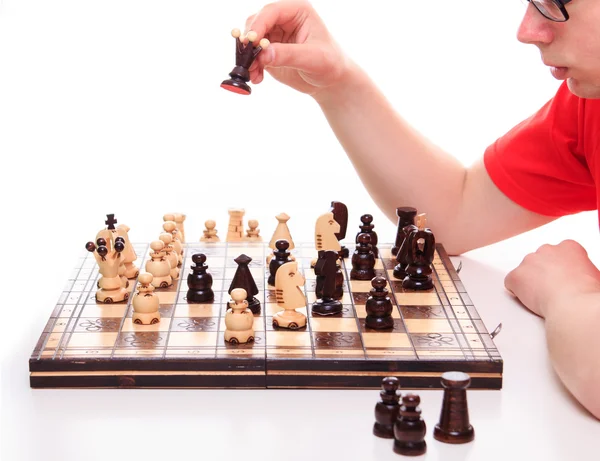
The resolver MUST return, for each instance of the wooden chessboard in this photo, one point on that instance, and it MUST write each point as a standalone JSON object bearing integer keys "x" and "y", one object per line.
{"x": 86, "y": 344}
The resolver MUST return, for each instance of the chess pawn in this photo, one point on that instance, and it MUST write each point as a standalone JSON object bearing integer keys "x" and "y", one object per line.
{"x": 199, "y": 281}
{"x": 129, "y": 256}
{"x": 171, "y": 228}
{"x": 170, "y": 254}
{"x": 145, "y": 302}
{"x": 288, "y": 281}
{"x": 363, "y": 259}
{"x": 159, "y": 266}
{"x": 110, "y": 289}
{"x": 402, "y": 258}
{"x": 210, "y": 234}
{"x": 410, "y": 429}
{"x": 454, "y": 426}
{"x": 367, "y": 228}
{"x": 379, "y": 306}
{"x": 252, "y": 234}
{"x": 179, "y": 219}
{"x": 239, "y": 321}
{"x": 386, "y": 410}
{"x": 421, "y": 248}
{"x": 281, "y": 256}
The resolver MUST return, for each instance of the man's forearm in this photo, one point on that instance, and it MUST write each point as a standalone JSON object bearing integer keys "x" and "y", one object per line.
{"x": 572, "y": 327}
{"x": 397, "y": 165}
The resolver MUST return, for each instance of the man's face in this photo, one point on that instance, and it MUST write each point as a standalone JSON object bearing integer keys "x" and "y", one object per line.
{"x": 571, "y": 49}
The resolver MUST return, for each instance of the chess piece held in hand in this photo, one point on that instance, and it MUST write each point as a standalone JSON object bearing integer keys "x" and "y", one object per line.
{"x": 145, "y": 302}
{"x": 239, "y": 321}
{"x": 110, "y": 286}
{"x": 245, "y": 54}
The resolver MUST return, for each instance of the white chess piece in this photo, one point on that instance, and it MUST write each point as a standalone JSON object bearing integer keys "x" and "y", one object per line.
{"x": 171, "y": 254}
{"x": 210, "y": 234}
{"x": 325, "y": 239}
{"x": 109, "y": 259}
{"x": 171, "y": 228}
{"x": 159, "y": 266}
{"x": 145, "y": 302}
{"x": 129, "y": 255}
{"x": 239, "y": 320}
{"x": 288, "y": 281}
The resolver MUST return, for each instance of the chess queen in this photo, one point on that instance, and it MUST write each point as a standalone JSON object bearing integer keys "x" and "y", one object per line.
{"x": 289, "y": 296}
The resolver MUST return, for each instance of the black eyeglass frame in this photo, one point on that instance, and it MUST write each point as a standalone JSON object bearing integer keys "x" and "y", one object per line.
{"x": 561, "y": 6}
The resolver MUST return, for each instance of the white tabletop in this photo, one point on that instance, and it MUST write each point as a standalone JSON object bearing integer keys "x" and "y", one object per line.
{"x": 532, "y": 417}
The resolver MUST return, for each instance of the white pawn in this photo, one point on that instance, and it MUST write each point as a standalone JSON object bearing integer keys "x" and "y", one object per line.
{"x": 288, "y": 281}
{"x": 145, "y": 302}
{"x": 239, "y": 320}
{"x": 210, "y": 234}
{"x": 171, "y": 254}
{"x": 171, "y": 228}
{"x": 252, "y": 234}
{"x": 159, "y": 266}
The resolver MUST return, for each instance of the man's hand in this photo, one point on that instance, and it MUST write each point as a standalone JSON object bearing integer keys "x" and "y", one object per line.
{"x": 553, "y": 274}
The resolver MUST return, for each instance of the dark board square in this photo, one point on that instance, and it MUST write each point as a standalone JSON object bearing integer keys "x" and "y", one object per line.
{"x": 423, "y": 312}
{"x": 336, "y": 340}
{"x": 434, "y": 340}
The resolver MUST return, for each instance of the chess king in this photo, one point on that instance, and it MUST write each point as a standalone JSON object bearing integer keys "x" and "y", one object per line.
{"x": 244, "y": 57}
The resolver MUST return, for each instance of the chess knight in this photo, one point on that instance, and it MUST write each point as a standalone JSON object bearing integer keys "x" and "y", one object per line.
{"x": 289, "y": 297}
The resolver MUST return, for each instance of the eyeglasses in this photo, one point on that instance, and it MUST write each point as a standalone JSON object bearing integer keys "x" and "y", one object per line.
{"x": 552, "y": 9}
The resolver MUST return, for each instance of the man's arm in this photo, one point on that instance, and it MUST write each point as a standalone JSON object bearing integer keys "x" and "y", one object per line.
{"x": 399, "y": 167}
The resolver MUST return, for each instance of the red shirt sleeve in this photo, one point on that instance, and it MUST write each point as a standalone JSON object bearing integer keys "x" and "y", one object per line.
{"x": 540, "y": 164}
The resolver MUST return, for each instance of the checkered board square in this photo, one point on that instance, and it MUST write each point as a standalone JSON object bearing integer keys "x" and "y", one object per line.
{"x": 87, "y": 344}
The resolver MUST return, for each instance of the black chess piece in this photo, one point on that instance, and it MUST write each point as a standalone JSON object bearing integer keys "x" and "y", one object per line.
{"x": 402, "y": 258}
{"x": 421, "y": 251}
{"x": 406, "y": 216}
{"x": 281, "y": 255}
{"x": 410, "y": 429}
{"x": 339, "y": 283}
{"x": 199, "y": 281}
{"x": 363, "y": 259}
{"x": 386, "y": 410}
{"x": 245, "y": 54}
{"x": 340, "y": 214}
{"x": 243, "y": 279}
{"x": 454, "y": 425}
{"x": 379, "y": 306}
{"x": 326, "y": 267}
{"x": 367, "y": 227}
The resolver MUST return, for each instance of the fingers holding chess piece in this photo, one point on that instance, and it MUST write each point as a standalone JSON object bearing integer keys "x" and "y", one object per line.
{"x": 145, "y": 302}
{"x": 239, "y": 321}
{"x": 245, "y": 54}
{"x": 110, "y": 286}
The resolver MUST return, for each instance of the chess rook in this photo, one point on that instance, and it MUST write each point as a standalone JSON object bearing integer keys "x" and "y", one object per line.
{"x": 199, "y": 281}
{"x": 454, "y": 426}
{"x": 386, "y": 410}
{"x": 406, "y": 216}
{"x": 409, "y": 428}
{"x": 245, "y": 54}
{"x": 235, "y": 231}
{"x": 363, "y": 259}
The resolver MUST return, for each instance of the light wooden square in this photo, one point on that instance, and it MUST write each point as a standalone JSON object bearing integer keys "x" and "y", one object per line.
{"x": 198, "y": 310}
{"x": 192, "y": 339}
{"x": 104, "y": 310}
{"x": 428, "y": 326}
{"x": 386, "y": 340}
{"x": 363, "y": 286}
{"x": 166, "y": 297}
{"x": 271, "y": 309}
{"x": 474, "y": 341}
{"x": 418, "y": 299}
{"x": 163, "y": 325}
{"x": 288, "y": 339}
{"x": 334, "y": 324}
{"x": 92, "y": 340}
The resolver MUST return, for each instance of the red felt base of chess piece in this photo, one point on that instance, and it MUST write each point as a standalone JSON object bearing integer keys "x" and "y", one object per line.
{"x": 236, "y": 87}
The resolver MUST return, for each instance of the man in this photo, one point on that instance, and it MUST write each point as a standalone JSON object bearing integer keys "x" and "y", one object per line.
{"x": 544, "y": 168}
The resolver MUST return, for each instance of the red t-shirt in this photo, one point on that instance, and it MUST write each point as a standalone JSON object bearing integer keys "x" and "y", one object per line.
{"x": 549, "y": 163}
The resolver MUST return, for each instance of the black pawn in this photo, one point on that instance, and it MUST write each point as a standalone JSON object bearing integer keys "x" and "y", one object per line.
{"x": 406, "y": 216}
{"x": 367, "y": 228}
{"x": 402, "y": 258}
{"x": 386, "y": 410}
{"x": 410, "y": 429}
{"x": 339, "y": 284}
{"x": 421, "y": 253}
{"x": 363, "y": 259}
{"x": 379, "y": 306}
{"x": 454, "y": 426}
{"x": 243, "y": 279}
{"x": 199, "y": 281}
{"x": 327, "y": 268}
{"x": 281, "y": 255}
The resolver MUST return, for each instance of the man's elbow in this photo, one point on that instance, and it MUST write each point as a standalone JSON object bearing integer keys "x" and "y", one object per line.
{"x": 590, "y": 393}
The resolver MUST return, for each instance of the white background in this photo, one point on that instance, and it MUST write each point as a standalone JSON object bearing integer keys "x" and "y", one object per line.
{"x": 115, "y": 107}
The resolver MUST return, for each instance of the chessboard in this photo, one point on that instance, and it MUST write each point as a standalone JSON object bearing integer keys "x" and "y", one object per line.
{"x": 88, "y": 344}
